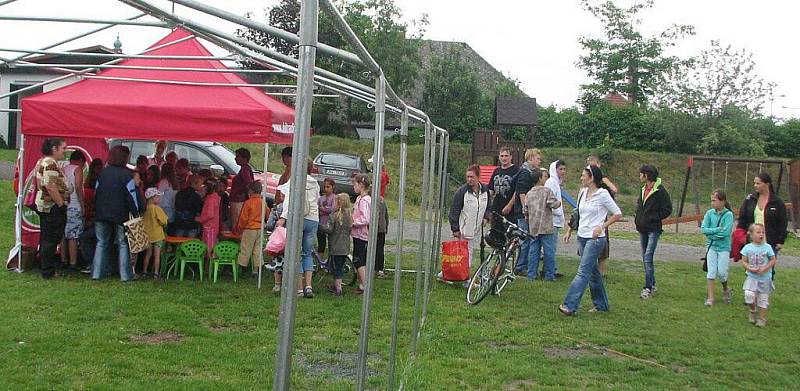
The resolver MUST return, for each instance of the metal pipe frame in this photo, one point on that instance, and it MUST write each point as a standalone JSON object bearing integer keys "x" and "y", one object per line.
{"x": 212, "y": 70}
{"x": 429, "y": 234}
{"x": 20, "y": 194}
{"x": 79, "y": 36}
{"x": 372, "y": 243}
{"x": 86, "y": 70}
{"x": 309, "y": 19}
{"x": 2, "y": 3}
{"x": 190, "y": 83}
{"x": 436, "y": 163}
{"x": 117, "y": 55}
{"x": 423, "y": 215}
{"x": 284, "y": 35}
{"x": 85, "y": 20}
{"x": 263, "y": 215}
{"x": 399, "y": 253}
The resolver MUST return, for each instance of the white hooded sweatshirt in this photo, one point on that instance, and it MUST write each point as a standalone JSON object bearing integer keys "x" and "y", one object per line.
{"x": 554, "y": 184}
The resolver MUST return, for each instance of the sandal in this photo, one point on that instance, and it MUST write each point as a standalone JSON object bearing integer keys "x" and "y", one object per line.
{"x": 564, "y": 310}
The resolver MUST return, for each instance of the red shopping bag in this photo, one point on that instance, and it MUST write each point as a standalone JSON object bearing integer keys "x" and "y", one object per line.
{"x": 739, "y": 239}
{"x": 455, "y": 260}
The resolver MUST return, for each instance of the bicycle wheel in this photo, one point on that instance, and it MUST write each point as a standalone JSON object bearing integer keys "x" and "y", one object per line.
{"x": 508, "y": 270}
{"x": 348, "y": 267}
{"x": 485, "y": 278}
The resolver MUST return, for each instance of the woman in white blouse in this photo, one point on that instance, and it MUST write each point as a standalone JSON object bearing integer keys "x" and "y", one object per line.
{"x": 594, "y": 206}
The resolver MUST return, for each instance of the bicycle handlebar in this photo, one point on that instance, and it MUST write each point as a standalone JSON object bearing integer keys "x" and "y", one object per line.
{"x": 512, "y": 225}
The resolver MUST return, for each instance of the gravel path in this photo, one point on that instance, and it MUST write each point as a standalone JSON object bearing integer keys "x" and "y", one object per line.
{"x": 627, "y": 250}
{"x": 7, "y": 170}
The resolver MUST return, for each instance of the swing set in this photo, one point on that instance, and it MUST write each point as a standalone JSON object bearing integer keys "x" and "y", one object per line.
{"x": 733, "y": 175}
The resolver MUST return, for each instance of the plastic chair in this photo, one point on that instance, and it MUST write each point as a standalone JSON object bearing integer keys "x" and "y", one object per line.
{"x": 193, "y": 251}
{"x": 225, "y": 254}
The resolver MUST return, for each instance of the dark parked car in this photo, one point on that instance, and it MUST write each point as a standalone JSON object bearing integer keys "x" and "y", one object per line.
{"x": 341, "y": 168}
{"x": 201, "y": 155}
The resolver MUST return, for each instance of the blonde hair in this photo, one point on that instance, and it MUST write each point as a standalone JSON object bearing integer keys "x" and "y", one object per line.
{"x": 753, "y": 227}
{"x": 343, "y": 206}
{"x": 529, "y": 153}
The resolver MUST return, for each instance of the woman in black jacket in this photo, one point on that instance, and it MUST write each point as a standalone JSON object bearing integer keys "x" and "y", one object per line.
{"x": 117, "y": 198}
{"x": 765, "y": 207}
{"x": 652, "y": 206}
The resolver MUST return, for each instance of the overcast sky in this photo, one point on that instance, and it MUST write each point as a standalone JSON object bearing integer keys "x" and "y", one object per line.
{"x": 534, "y": 41}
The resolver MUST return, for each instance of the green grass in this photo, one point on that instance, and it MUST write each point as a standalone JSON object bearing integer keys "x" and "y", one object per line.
{"x": 73, "y": 333}
{"x": 8, "y": 155}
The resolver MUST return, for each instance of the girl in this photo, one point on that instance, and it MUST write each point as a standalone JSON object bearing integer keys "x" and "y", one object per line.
{"x": 594, "y": 206}
{"x": 717, "y": 226}
{"x": 360, "y": 228}
{"x": 168, "y": 186}
{"x": 209, "y": 216}
{"x": 338, "y": 231}
{"x": 758, "y": 259}
{"x": 154, "y": 222}
{"x": 152, "y": 176}
{"x": 326, "y": 206}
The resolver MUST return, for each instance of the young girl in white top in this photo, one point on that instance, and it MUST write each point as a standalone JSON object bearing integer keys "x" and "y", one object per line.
{"x": 758, "y": 259}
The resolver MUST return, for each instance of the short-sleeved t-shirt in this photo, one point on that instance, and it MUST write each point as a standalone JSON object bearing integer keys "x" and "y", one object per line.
{"x": 758, "y": 255}
{"x": 502, "y": 183}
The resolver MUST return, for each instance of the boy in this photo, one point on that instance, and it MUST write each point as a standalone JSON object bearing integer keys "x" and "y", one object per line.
{"x": 154, "y": 220}
{"x": 249, "y": 226}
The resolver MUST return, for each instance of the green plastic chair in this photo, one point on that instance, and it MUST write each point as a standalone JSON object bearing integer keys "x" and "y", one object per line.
{"x": 225, "y": 254}
{"x": 193, "y": 251}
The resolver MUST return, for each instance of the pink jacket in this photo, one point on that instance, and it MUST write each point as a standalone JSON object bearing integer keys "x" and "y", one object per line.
{"x": 361, "y": 212}
{"x": 209, "y": 217}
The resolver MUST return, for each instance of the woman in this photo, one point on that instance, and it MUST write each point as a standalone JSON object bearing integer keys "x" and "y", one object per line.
{"x": 168, "y": 186}
{"x": 765, "y": 207}
{"x": 310, "y": 212}
{"x": 95, "y": 168}
{"x": 51, "y": 203}
{"x": 240, "y": 184}
{"x": 75, "y": 206}
{"x": 652, "y": 206}
{"x": 120, "y": 199}
{"x": 468, "y": 210}
{"x": 612, "y": 188}
{"x": 151, "y": 177}
{"x": 594, "y": 205}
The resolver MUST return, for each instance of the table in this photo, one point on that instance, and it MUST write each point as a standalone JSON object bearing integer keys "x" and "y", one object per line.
{"x": 230, "y": 235}
{"x": 169, "y": 258}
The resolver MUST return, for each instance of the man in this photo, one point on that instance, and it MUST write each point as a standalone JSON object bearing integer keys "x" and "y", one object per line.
{"x": 523, "y": 184}
{"x": 469, "y": 209}
{"x": 286, "y": 158}
{"x": 240, "y": 184}
{"x": 558, "y": 171}
{"x": 501, "y": 185}
{"x": 51, "y": 203}
{"x": 157, "y": 158}
{"x": 652, "y": 206}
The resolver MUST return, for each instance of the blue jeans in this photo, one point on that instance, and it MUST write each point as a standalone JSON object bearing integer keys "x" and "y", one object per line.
{"x": 110, "y": 235}
{"x": 548, "y": 243}
{"x": 522, "y": 258}
{"x": 309, "y": 234}
{"x": 588, "y": 274}
{"x": 649, "y": 241}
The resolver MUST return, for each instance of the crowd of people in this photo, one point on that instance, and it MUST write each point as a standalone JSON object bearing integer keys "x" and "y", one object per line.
{"x": 531, "y": 196}
{"x": 84, "y": 216}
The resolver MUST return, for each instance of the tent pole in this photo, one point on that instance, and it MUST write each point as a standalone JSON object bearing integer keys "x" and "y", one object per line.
{"x": 180, "y": 69}
{"x": 84, "y": 20}
{"x": 309, "y": 19}
{"x": 423, "y": 213}
{"x": 2, "y": 3}
{"x": 117, "y": 55}
{"x": 431, "y": 221}
{"x": 399, "y": 253}
{"x": 18, "y": 218}
{"x": 191, "y": 83}
{"x": 372, "y": 243}
{"x": 263, "y": 212}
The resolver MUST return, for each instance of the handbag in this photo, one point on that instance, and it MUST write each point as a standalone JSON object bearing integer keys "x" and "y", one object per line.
{"x": 455, "y": 260}
{"x": 33, "y": 192}
{"x": 277, "y": 241}
{"x": 705, "y": 258}
{"x": 138, "y": 240}
{"x": 575, "y": 217}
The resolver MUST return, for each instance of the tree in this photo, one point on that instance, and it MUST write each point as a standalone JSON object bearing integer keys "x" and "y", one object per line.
{"x": 452, "y": 97}
{"x": 625, "y": 60}
{"x": 720, "y": 77}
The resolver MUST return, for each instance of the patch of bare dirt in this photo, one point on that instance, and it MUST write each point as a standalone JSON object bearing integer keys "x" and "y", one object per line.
{"x": 157, "y": 338}
{"x": 519, "y": 385}
{"x": 571, "y": 353}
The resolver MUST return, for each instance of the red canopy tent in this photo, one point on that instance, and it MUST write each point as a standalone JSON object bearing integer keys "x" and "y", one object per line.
{"x": 133, "y": 109}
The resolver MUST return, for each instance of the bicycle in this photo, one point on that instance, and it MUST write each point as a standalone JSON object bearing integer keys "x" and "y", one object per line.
{"x": 497, "y": 270}
{"x": 325, "y": 266}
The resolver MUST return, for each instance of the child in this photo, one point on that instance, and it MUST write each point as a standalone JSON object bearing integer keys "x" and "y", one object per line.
{"x": 154, "y": 220}
{"x": 277, "y": 263}
{"x": 326, "y": 203}
{"x": 338, "y": 231}
{"x": 360, "y": 227}
{"x": 539, "y": 204}
{"x": 249, "y": 226}
{"x": 189, "y": 205}
{"x": 758, "y": 258}
{"x": 209, "y": 217}
{"x": 182, "y": 173}
{"x": 383, "y": 227}
{"x": 717, "y": 226}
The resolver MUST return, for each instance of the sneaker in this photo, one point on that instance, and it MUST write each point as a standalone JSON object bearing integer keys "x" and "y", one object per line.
{"x": 381, "y": 274}
{"x": 709, "y": 303}
{"x": 726, "y": 296}
{"x": 86, "y": 270}
{"x": 646, "y": 294}
{"x": 751, "y": 316}
{"x": 300, "y": 292}
{"x": 761, "y": 322}
{"x": 440, "y": 276}
{"x": 276, "y": 288}
{"x": 308, "y": 292}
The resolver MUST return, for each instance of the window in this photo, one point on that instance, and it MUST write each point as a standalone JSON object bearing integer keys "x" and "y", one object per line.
{"x": 145, "y": 148}
{"x": 339, "y": 160}
{"x": 198, "y": 159}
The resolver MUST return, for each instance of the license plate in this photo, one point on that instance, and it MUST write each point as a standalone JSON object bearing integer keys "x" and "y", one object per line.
{"x": 335, "y": 172}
